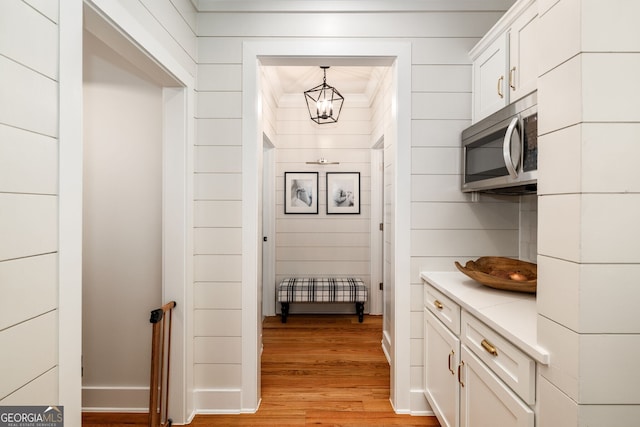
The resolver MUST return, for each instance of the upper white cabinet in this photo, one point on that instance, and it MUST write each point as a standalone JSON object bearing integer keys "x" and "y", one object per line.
{"x": 523, "y": 54}
{"x": 489, "y": 84}
{"x": 505, "y": 65}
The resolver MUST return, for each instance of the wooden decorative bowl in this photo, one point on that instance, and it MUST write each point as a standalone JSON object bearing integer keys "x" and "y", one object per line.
{"x": 503, "y": 273}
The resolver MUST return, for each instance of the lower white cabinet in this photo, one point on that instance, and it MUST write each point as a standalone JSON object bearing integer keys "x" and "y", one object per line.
{"x": 473, "y": 377}
{"x": 485, "y": 401}
{"x": 442, "y": 358}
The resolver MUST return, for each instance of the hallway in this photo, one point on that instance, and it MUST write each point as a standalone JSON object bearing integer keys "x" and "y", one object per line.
{"x": 321, "y": 370}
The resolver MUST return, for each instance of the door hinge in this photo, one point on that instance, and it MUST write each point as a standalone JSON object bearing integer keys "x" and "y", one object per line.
{"x": 381, "y": 226}
{"x": 380, "y": 286}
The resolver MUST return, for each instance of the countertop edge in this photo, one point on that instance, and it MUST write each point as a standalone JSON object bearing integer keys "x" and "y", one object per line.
{"x": 436, "y": 278}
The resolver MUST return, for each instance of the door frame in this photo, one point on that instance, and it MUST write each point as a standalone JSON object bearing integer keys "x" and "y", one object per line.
{"x": 252, "y": 131}
{"x": 376, "y": 304}
{"x": 119, "y": 27}
{"x": 268, "y": 228}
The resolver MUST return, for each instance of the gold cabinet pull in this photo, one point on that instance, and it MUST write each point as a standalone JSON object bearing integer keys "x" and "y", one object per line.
{"x": 451, "y": 355}
{"x": 489, "y": 347}
{"x": 500, "y": 81}
{"x": 438, "y": 305}
{"x": 512, "y": 78}
{"x": 459, "y": 375}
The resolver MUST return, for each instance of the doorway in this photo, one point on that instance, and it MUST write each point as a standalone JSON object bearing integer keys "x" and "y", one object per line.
{"x": 399, "y": 184}
{"x": 145, "y": 149}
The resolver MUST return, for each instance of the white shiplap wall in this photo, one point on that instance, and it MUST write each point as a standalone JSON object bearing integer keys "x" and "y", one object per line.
{"x": 446, "y": 226}
{"x": 28, "y": 202}
{"x": 589, "y": 256}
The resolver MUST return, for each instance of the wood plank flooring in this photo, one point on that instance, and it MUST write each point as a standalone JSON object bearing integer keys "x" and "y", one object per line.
{"x": 321, "y": 370}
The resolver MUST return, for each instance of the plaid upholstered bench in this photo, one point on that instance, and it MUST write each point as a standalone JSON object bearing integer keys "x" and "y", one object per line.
{"x": 321, "y": 289}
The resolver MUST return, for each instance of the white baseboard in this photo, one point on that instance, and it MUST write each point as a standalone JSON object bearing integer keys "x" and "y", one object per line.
{"x": 386, "y": 346}
{"x": 218, "y": 401}
{"x": 115, "y": 399}
{"x": 419, "y": 404}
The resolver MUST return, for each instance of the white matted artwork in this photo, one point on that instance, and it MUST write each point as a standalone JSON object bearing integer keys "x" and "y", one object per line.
{"x": 343, "y": 192}
{"x": 301, "y": 192}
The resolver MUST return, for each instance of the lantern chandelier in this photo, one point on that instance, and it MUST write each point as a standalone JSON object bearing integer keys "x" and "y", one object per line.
{"x": 324, "y": 102}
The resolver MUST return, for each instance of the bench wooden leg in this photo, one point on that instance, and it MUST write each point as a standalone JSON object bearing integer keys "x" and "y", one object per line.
{"x": 284, "y": 311}
{"x": 360, "y": 311}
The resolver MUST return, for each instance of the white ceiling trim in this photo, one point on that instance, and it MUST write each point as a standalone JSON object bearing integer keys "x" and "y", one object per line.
{"x": 349, "y": 5}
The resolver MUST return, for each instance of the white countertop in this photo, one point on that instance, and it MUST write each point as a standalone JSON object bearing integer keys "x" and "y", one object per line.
{"x": 511, "y": 314}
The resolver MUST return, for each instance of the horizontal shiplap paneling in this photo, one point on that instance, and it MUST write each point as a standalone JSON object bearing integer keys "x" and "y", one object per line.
{"x": 327, "y": 253}
{"x": 437, "y": 133}
{"x": 48, "y": 8}
{"x": 218, "y": 323}
{"x": 217, "y": 350}
{"x": 214, "y": 158}
{"x": 322, "y": 268}
{"x": 441, "y": 78}
{"x": 29, "y": 99}
{"x": 436, "y": 105}
{"x": 326, "y": 238}
{"x": 31, "y": 285}
{"x": 219, "y": 105}
{"x": 42, "y": 389}
{"x": 219, "y": 77}
{"x": 217, "y": 295}
{"x": 34, "y": 351}
{"x": 218, "y": 376}
{"x": 218, "y": 186}
{"x": 217, "y": 268}
{"x": 28, "y": 225}
{"x": 29, "y": 38}
{"x": 448, "y": 216}
{"x": 440, "y": 243}
{"x": 218, "y": 241}
{"x": 178, "y": 23}
{"x": 218, "y": 213}
{"x": 28, "y": 162}
{"x": 218, "y": 131}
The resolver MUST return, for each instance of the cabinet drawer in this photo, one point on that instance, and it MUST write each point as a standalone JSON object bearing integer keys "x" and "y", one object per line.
{"x": 443, "y": 308}
{"x": 507, "y": 361}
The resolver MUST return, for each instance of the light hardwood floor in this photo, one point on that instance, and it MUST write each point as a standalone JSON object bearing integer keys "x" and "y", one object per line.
{"x": 321, "y": 370}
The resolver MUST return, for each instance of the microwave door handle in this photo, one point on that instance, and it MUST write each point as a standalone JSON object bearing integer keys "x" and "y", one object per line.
{"x": 512, "y": 131}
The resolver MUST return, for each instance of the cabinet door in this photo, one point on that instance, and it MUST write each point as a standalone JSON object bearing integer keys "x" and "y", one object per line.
{"x": 489, "y": 81}
{"x": 485, "y": 401}
{"x": 442, "y": 353}
{"x": 523, "y": 54}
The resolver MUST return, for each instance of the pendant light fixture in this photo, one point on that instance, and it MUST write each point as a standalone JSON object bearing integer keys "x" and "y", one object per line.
{"x": 324, "y": 102}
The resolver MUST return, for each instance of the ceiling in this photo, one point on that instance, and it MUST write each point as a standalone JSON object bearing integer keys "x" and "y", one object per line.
{"x": 355, "y": 78}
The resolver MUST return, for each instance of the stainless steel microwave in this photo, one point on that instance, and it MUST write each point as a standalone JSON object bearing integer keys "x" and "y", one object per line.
{"x": 500, "y": 152}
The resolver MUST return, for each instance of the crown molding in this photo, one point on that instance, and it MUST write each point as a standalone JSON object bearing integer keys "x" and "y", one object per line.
{"x": 329, "y": 6}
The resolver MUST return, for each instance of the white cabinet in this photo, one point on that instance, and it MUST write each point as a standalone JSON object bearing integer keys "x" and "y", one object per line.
{"x": 523, "y": 54}
{"x": 486, "y": 401}
{"x": 505, "y": 65}
{"x": 489, "y": 84}
{"x": 473, "y": 377}
{"x": 442, "y": 358}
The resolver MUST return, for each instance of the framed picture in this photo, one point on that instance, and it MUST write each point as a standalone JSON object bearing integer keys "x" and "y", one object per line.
{"x": 343, "y": 192}
{"x": 301, "y": 192}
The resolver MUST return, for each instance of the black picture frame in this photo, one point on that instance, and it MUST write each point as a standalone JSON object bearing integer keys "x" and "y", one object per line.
{"x": 301, "y": 192}
{"x": 343, "y": 193}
